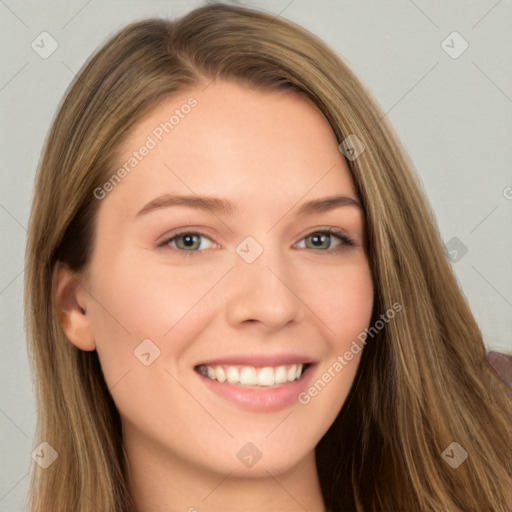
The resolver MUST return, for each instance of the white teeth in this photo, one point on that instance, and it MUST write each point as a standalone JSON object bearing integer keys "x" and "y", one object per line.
{"x": 250, "y": 376}
{"x": 221, "y": 376}
{"x": 266, "y": 376}
{"x": 292, "y": 373}
{"x": 281, "y": 375}
{"x": 233, "y": 375}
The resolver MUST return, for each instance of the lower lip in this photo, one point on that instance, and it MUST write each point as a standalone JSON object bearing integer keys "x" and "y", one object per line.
{"x": 261, "y": 400}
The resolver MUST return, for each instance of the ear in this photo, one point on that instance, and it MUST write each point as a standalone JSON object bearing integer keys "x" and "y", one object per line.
{"x": 71, "y": 306}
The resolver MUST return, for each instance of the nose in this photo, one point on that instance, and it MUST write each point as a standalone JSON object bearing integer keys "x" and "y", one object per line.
{"x": 264, "y": 292}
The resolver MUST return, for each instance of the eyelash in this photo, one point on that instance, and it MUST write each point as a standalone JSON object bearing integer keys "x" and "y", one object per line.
{"x": 341, "y": 236}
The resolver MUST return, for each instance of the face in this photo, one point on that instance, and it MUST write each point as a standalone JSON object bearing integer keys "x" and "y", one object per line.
{"x": 184, "y": 293}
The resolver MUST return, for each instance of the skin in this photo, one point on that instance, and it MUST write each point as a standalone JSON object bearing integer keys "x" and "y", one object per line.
{"x": 268, "y": 152}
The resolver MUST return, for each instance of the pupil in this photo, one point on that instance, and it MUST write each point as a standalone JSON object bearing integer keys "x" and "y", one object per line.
{"x": 317, "y": 239}
{"x": 188, "y": 240}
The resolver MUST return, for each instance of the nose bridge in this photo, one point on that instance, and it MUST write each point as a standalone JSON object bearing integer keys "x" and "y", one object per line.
{"x": 262, "y": 287}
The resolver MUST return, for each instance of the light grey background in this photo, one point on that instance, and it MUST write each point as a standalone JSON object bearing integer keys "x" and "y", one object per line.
{"x": 452, "y": 115}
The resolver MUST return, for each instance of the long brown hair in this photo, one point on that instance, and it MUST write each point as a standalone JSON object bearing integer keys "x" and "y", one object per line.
{"x": 422, "y": 381}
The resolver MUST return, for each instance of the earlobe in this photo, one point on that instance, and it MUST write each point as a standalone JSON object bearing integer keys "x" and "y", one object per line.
{"x": 70, "y": 305}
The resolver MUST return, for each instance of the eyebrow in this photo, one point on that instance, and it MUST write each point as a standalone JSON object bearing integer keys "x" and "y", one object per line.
{"x": 217, "y": 205}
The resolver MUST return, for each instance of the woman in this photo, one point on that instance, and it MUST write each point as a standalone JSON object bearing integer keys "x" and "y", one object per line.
{"x": 263, "y": 371}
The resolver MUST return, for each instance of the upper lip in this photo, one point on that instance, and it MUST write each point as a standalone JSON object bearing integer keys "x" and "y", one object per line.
{"x": 258, "y": 360}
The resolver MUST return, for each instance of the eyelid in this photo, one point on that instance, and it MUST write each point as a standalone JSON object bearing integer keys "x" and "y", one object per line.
{"x": 339, "y": 233}
{"x": 344, "y": 239}
{"x": 170, "y": 237}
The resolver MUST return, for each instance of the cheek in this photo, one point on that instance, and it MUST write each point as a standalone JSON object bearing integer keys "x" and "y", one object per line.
{"x": 344, "y": 307}
{"x": 343, "y": 300}
{"x": 135, "y": 302}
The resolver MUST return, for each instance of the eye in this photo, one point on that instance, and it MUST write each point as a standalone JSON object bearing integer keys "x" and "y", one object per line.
{"x": 320, "y": 238}
{"x": 190, "y": 242}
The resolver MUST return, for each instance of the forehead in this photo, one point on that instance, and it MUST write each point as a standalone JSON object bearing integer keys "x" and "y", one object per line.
{"x": 230, "y": 139}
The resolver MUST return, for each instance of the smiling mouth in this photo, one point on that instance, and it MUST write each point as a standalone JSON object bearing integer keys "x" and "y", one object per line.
{"x": 254, "y": 377}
